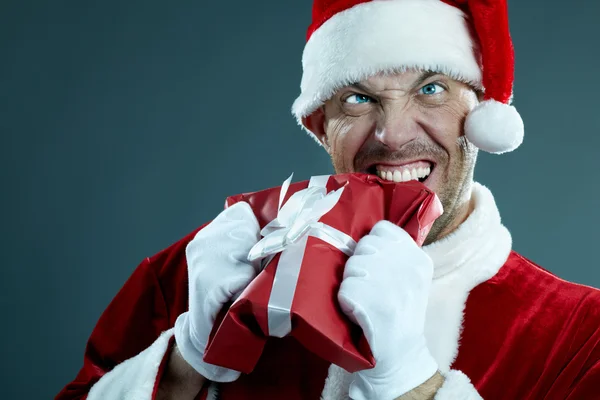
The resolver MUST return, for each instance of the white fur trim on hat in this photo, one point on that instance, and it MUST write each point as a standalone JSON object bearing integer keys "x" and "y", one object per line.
{"x": 494, "y": 127}
{"x": 385, "y": 36}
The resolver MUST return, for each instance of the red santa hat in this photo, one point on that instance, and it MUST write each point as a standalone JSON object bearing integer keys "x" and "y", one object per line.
{"x": 468, "y": 40}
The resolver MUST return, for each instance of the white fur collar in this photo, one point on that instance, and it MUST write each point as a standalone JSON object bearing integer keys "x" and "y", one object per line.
{"x": 470, "y": 255}
{"x": 481, "y": 237}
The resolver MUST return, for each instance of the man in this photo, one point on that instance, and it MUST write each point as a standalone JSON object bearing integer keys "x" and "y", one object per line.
{"x": 407, "y": 90}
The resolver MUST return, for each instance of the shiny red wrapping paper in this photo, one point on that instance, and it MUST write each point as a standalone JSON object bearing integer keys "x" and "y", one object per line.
{"x": 318, "y": 324}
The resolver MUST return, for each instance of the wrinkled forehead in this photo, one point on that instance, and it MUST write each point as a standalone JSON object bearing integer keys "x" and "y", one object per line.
{"x": 403, "y": 79}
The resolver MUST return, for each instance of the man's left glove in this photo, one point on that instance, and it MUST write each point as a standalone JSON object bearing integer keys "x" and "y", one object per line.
{"x": 385, "y": 291}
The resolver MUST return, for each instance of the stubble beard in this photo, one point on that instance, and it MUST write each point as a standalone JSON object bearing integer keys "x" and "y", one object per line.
{"x": 454, "y": 193}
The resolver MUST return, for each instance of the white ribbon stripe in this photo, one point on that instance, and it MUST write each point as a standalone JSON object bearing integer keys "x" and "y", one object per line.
{"x": 288, "y": 234}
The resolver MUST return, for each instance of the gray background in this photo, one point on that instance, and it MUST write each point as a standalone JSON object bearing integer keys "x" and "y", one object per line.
{"x": 126, "y": 124}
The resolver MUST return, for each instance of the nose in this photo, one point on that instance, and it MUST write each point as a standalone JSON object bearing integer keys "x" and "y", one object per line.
{"x": 397, "y": 126}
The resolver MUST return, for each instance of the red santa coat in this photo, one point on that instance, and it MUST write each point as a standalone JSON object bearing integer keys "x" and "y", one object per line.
{"x": 514, "y": 329}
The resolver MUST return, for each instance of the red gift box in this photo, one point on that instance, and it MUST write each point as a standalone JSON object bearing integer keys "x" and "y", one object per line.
{"x": 305, "y": 254}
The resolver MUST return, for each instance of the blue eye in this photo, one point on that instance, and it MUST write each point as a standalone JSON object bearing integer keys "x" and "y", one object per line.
{"x": 357, "y": 99}
{"x": 431, "y": 88}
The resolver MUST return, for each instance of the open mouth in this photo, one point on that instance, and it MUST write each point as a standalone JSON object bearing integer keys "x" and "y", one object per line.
{"x": 414, "y": 171}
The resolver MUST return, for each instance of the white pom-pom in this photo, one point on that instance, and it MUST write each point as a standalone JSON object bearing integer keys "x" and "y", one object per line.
{"x": 494, "y": 127}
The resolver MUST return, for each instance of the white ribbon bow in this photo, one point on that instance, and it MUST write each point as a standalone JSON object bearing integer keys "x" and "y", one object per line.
{"x": 288, "y": 234}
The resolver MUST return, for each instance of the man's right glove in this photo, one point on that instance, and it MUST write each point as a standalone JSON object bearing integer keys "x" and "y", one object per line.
{"x": 218, "y": 270}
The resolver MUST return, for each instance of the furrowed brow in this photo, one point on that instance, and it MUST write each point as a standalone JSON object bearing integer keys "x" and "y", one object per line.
{"x": 360, "y": 86}
{"x": 423, "y": 77}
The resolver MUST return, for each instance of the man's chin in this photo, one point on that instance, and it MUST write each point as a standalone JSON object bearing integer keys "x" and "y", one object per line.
{"x": 457, "y": 208}
{"x": 442, "y": 227}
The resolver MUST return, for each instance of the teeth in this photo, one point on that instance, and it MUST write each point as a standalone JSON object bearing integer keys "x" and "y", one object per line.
{"x": 405, "y": 175}
{"x": 413, "y": 175}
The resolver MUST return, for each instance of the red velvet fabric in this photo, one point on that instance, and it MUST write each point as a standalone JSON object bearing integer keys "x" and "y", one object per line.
{"x": 531, "y": 335}
{"x": 527, "y": 335}
{"x": 323, "y": 10}
{"x": 147, "y": 304}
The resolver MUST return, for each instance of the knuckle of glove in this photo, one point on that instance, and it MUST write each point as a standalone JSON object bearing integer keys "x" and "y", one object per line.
{"x": 220, "y": 274}
{"x": 363, "y": 306}
{"x": 358, "y": 266}
{"x": 349, "y": 288}
{"x": 237, "y": 223}
{"x": 243, "y": 237}
{"x": 369, "y": 245}
{"x": 389, "y": 266}
{"x": 387, "y": 237}
{"x": 348, "y": 296}
{"x": 211, "y": 293}
{"x": 389, "y": 231}
{"x": 239, "y": 212}
{"x": 209, "y": 275}
{"x": 225, "y": 244}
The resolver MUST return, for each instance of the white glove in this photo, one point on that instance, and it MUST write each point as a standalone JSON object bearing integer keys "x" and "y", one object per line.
{"x": 218, "y": 270}
{"x": 385, "y": 291}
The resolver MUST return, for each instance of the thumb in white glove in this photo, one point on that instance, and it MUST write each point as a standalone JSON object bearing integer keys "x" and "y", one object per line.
{"x": 385, "y": 291}
{"x": 218, "y": 270}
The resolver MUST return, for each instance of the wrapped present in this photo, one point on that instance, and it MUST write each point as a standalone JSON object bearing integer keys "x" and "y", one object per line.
{"x": 309, "y": 230}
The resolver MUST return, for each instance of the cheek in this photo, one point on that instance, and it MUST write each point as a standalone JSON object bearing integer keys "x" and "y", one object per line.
{"x": 346, "y": 137}
{"x": 447, "y": 121}
{"x": 445, "y": 124}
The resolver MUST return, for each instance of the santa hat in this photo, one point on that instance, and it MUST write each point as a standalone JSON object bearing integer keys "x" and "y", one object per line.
{"x": 468, "y": 40}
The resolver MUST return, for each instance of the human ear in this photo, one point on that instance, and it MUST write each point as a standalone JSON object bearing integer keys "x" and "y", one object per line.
{"x": 315, "y": 123}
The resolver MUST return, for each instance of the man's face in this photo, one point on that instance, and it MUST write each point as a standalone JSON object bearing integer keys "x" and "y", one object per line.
{"x": 404, "y": 126}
